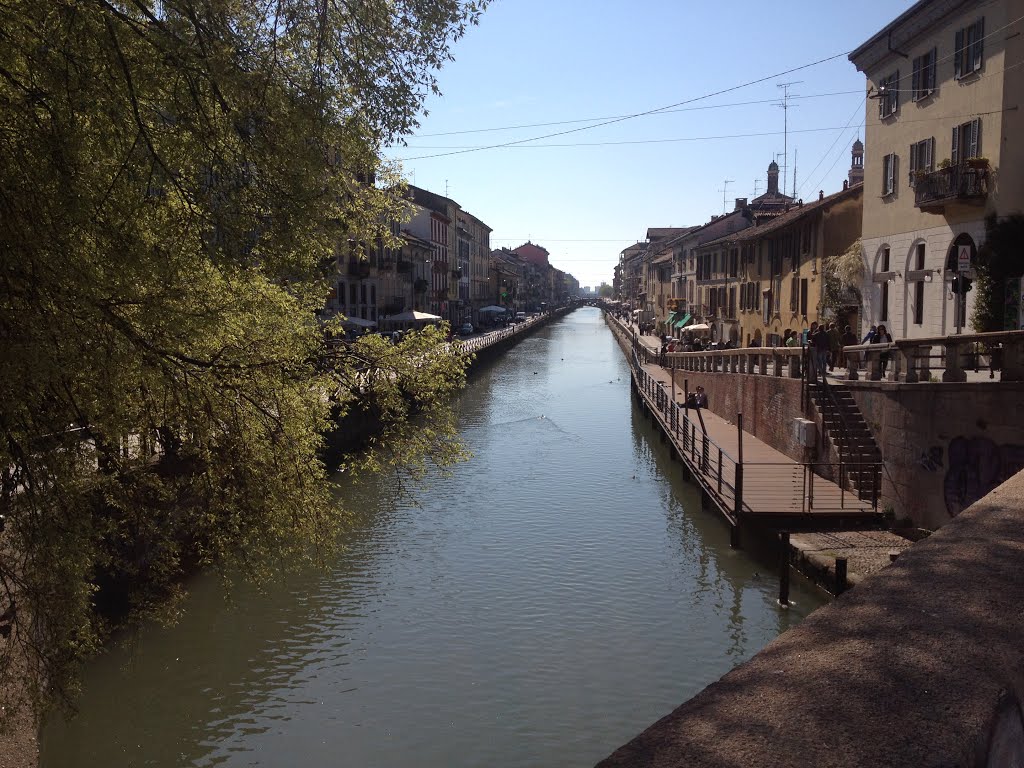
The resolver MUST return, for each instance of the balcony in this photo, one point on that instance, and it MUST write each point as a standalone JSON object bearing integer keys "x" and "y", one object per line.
{"x": 956, "y": 184}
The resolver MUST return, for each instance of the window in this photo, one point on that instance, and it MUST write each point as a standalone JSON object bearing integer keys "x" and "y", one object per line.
{"x": 889, "y": 163}
{"x": 967, "y": 47}
{"x": 794, "y": 288}
{"x": 732, "y": 302}
{"x": 921, "y": 158}
{"x": 966, "y": 141}
{"x": 919, "y": 287}
{"x": 888, "y": 95}
{"x": 923, "y": 78}
{"x": 803, "y": 297}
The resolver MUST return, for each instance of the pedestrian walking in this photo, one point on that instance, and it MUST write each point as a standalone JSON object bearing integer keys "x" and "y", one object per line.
{"x": 882, "y": 337}
{"x": 835, "y": 344}
{"x": 818, "y": 341}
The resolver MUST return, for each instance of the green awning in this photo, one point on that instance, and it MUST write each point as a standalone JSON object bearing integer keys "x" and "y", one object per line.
{"x": 672, "y": 318}
{"x": 684, "y": 321}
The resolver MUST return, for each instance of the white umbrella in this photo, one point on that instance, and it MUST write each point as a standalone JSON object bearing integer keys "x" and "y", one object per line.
{"x": 493, "y": 308}
{"x": 698, "y": 327}
{"x": 359, "y": 322}
{"x": 410, "y": 316}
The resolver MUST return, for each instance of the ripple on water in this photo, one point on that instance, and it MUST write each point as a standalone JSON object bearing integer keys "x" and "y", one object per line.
{"x": 555, "y": 595}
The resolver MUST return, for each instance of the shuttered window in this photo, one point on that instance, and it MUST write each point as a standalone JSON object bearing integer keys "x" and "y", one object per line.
{"x": 966, "y": 141}
{"x": 968, "y": 50}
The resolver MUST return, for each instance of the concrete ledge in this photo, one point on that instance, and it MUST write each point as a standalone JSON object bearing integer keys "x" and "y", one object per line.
{"x": 921, "y": 665}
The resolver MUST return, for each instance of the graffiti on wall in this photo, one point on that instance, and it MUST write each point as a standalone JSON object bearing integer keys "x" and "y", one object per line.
{"x": 976, "y": 465}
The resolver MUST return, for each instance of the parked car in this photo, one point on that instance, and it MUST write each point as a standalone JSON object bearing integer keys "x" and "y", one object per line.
{"x": 466, "y": 329}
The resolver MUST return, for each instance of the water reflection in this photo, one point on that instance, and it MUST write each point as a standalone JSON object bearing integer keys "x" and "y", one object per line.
{"x": 542, "y": 604}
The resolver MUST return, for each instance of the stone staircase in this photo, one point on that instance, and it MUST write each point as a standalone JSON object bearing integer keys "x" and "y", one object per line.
{"x": 849, "y": 433}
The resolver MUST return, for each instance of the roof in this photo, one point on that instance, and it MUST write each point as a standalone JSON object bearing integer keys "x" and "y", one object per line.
{"x": 788, "y": 217}
{"x": 910, "y": 24}
{"x": 660, "y": 233}
{"x": 430, "y": 200}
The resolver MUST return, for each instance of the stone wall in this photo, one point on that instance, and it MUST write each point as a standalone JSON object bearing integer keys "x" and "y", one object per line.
{"x": 919, "y": 665}
{"x": 945, "y": 445}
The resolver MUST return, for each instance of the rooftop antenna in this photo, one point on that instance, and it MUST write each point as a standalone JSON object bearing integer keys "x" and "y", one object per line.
{"x": 757, "y": 186}
{"x": 446, "y": 187}
{"x": 785, "y": 126}
{"x": 794, "y": 173}
{"x": 725, "y": 187}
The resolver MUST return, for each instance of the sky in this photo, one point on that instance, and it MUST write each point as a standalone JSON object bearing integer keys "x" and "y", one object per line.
{"x": 711, "y": 78}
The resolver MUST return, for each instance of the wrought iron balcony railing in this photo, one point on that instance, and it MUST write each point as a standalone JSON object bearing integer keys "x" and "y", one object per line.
{"x": 957, "y": 183}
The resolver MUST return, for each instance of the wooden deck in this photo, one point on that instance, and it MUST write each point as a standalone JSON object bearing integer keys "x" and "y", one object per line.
{"x": 774, "y": 490}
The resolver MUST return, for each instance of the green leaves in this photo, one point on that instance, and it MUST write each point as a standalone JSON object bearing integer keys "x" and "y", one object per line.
{"x": 174, "y": 177}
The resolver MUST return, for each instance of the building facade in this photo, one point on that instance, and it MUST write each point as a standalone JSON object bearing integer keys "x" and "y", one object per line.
{"x": 944, "y": 139}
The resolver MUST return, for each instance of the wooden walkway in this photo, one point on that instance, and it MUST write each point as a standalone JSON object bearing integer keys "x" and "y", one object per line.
{"x": 748, "y": 480}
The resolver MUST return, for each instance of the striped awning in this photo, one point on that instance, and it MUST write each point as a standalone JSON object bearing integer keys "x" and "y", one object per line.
{"x": 685, "y": 319}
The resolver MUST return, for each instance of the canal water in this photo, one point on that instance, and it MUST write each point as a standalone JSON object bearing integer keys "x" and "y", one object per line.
{"x": 555, "y": 595}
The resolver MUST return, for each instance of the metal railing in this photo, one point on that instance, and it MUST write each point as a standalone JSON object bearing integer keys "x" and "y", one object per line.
{"x": 723, "y": 475}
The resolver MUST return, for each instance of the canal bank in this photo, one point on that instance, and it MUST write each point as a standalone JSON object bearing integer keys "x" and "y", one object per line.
{"x": 920, "y": 665}
{"x": 501, "y": 615}
{"x": 771, "y": 496}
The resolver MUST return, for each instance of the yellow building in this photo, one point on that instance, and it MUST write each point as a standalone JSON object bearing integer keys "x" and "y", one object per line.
{"x": 945, "y": 138}
{"x": 757, "y": 282}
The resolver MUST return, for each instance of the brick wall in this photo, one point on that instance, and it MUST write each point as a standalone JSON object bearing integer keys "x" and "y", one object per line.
{"x": 769, "y": 405}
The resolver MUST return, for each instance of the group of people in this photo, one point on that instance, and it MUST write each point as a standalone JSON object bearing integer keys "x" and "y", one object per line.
{"x": 827, "y": 346}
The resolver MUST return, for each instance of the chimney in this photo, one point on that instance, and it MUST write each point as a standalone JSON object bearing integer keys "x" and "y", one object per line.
{"x": 821, "y": 194}
{"x": 741, "y": 203}
{"x": 846, "y": 183}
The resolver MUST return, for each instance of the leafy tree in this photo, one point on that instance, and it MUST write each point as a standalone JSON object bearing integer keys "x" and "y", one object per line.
{"x": 842, "y": 275}
{"x": 177, "y": 178}
{"x": 999, "y": 258}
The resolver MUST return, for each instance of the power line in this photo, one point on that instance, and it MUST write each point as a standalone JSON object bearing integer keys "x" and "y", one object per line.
{"x": 640, "y": 141}
{"x": 637, "y": 114}
{"x": 615, "y": 117}
{"x": 856, "y": 111}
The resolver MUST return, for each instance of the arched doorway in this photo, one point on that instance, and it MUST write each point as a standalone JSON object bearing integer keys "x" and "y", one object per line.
{"x": 960, "y": 261}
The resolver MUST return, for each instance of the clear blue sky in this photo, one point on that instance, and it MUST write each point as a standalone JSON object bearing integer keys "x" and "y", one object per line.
{"x": 550, "y": 61}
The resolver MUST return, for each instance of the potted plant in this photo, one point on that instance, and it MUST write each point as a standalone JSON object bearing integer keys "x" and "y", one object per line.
{"x": 977, "y": 162}
{"x": 944, "y": 163}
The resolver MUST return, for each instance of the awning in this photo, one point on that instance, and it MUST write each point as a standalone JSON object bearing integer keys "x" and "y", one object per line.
{"x": 686, "y": 318}
{"x": 671, "y": 317}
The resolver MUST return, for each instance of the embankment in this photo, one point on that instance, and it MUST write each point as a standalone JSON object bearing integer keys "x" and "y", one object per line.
{"x": 920, "y": 665}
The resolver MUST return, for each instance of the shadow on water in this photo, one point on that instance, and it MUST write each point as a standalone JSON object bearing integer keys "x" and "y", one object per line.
{"x": 548, "y": 600}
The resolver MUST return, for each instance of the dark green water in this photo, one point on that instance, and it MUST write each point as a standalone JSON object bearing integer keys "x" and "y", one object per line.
{"x": 553, "y": 597}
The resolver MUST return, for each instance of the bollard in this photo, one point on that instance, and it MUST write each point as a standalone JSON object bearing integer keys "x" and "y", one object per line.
{"x": 784, "y": 569}
{"x": 841, "y": 585}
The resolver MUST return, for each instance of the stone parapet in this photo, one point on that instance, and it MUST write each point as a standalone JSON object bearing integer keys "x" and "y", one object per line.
{"x": 920, "y": 665}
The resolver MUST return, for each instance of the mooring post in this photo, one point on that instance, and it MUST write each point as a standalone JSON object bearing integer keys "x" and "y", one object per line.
{"x": 734, "y": 536}
{"x": 738, "y": 481}
{"x": 784, "y": 569}
{"x": 841, "y": 583}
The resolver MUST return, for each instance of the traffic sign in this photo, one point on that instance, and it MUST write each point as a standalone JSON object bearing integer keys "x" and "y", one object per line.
{"x": 963, "y": 258}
